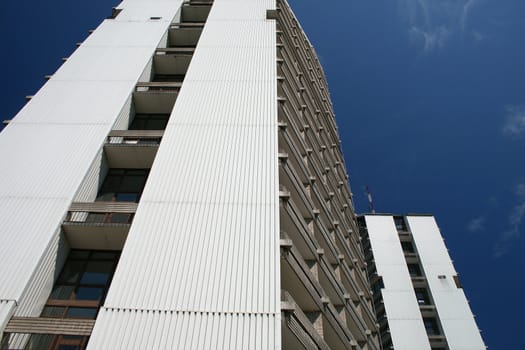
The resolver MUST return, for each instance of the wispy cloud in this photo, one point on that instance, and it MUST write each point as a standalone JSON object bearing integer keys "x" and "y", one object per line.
{"x": 465, "y": 12}
{"x": 476, "y": 225}
{"x": 514, "y": 121}
{"x": 429, "y": 40}
{"x": 515, "y": 219}
{"x": 432, "y": 23}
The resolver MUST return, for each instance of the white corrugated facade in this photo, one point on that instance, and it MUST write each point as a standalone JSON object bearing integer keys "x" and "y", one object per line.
{"x": 204, "y": 246}
{"x": 52, "y": 142}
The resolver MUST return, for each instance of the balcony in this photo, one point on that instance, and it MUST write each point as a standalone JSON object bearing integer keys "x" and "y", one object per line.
{"x": 172, "y": 60}
{"x": 98, "y": 225}
{"x": 185, "y": 34}
{"x": 156, "y": 97}
{"x": 132, "y": 148}
{"x": 195, "y": 12}
{"x": 297, "y": 328}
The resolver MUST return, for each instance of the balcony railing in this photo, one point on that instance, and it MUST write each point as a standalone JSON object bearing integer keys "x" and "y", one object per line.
{"x": 135, "y": 137}
{"x": 99, "y": 225}
{"x": 163, "y": 86}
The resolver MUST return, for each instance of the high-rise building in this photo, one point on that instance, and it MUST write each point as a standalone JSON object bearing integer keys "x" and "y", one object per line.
{"x": 178, "y": 184}
{"x": 418, "y": 298}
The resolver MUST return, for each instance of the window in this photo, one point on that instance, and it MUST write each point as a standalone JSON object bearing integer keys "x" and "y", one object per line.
{"x": 414, "y": 270}
{"x": 78, "y": 293}
{"x": 168, "y": 78}
{"x": 422, "y": 296}
{"x": 123, "y": 185}
{"x": 407, "y": 247}
{"x": 150, "y": 121}
{"x": 400, "y": 223}
{"x": 431, "y": 326}
{"x": 82, "y": 285}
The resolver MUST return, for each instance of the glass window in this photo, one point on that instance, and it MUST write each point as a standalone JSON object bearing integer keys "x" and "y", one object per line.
{"x": 407, "y": 247}
{"x": 82, "y": 312}
{"x": 414, "y": 270}
{"x": 400, "y": 223}
{"x": 89, "y": 293}
{"x": 72, "y": 270}
{"x": 103, "y": 255}
{"x": 149, "y": 122}
{"x": 78, "y": 254}
{"x": 123, "y": 185}
{"x": 53, "y": 311}
{"x": 97, "y": 272}
{"x": 61, "y": 292}
{"x": 431, "y": 326}
{"x": 422, "y": 296}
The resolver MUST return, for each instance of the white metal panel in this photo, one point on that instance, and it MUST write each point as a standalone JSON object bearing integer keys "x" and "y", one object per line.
{"x": 37, "y": 291}
{"x": 119, "y": 34}
{"x": 7, "y": 307}
{"x": 203, "y": 249}
{"x": 104, "y": 63}
{"x": 157, "y": 329}
{"x": 144, "y": 10}
{"x": 402, "y": 309}
{"x": 454, "y": 312}
{"x": 86, "y": 103}
{"x": 46, "y": 161}
{"x": 239, "y": 10}
{"x": 93, "y": 179}
{"x": 409, "y": 334}
{"x": 27, "y": 227}
{"x": 49, "y": 146}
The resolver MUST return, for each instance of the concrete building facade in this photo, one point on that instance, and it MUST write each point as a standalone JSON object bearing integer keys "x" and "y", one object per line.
{"x": 418, "y": 299}
{"x": 178, "y": 183}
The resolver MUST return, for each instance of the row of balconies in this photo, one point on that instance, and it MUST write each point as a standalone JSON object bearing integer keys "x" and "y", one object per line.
{"x": 289, "y": 43}
{"x": 338, "y": 211}
{"x": 305, "y": 103}
{"x": 330, "y": 241}
{"x": 290, "y": 111}
{"x": 288, "y": 34}
{"x": 314, "y": 209}
{"x": 327, "y": 189}
{"x": 336, "y": 319}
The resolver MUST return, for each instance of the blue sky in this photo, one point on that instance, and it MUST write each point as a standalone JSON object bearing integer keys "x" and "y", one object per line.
{"x": 430, "y": 103}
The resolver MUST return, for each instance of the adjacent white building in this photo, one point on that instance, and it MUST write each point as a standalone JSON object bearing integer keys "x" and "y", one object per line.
{"x": 419, "y": 301}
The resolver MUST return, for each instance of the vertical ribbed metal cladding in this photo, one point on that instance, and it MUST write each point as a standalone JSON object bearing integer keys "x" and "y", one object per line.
{"x": 49, "y": 146}
{"x": 157, "y": 329}
{"x": 7, "y": 307}
{"x": 93, "y": 179}
{"x": 41, "y": 283}
{"x": 200, "y": 268}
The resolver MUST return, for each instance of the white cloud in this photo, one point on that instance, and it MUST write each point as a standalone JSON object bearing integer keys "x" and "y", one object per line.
{"x": 476, "y": 225}
{"x": 432, "y": 23}
{"x": 464, "y": 14}
{"x": 430, "y": 40}
{"x": 504, "y": 243}
{"x": 515, "y": 219}
{"x": 477, "y": 36}
{"x": 515, "y": 120}
{"x": 520, "y": 190}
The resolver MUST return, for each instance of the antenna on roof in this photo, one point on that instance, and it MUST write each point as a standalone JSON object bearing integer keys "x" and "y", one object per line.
{"x": 370, "y": 202}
